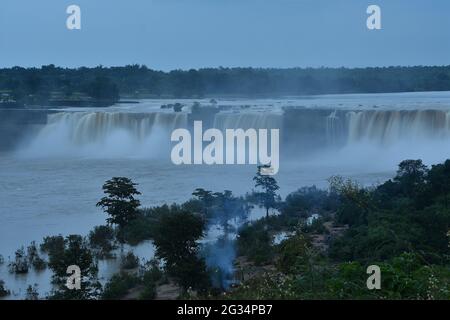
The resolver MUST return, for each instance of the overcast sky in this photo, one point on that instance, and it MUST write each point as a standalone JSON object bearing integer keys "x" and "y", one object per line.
{"x": 170, "y": 34}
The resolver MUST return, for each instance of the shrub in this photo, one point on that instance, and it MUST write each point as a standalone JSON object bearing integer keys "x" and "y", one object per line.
{"x": 129, "y": 261}
{"x": 53, "y": 245}
{"x": 152, "y": 275}
{"x": 137, "y": 230}
{"x": 102, "y": 238}
{"x": 290, "y": 250}
{"x": 34, "y": 259}
{"x": 32, "y": 293}
{"x": 3, "y": 291}
{"x": 255, "y": 242}
{"x": 119, "y": 284}
{"x": 20, "y": 263}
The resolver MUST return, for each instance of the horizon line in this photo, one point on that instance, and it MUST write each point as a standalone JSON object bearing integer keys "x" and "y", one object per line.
{"x": 144, "y": 66}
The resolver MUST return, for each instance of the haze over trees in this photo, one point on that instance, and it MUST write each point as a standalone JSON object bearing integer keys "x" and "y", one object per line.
{"x": 101, "y": 84}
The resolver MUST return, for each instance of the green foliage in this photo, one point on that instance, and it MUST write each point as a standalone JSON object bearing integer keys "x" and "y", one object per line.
{"x": 407, "y": 277}
{"x": 102, "y": 89}
{"x": 176, "y": 235}
{"x": 402, "y": 226}
{"x": 20, "y": 263}
{"x": 129, "y": 261}
{"x": 119, "y": 202}
{"x": 32, "y": 292}
{"x": 269, "y": 286}
{"x": 101, "y": 238}
{"x": 290, "y": 250}
{"x": 150, "y": 279}
{"x": 301, "y": 202}
{"x": 255, "y": 242}
{"x": 403, "y": 277}
{"x": 53, "y": 245}
{"x": 356, "y": 201}
{"x": 74, "y": 252}
{"x": 143, "y": 226}
{"x": 3, "y": 291}
{"x": 269, "y": 185}
{"x": 205, "y": 197}
{"x": 101, "y": 82}
{"x": 34, "y": 259}
{"x": 119, "y": 285}
{"x": 408, "y": 213}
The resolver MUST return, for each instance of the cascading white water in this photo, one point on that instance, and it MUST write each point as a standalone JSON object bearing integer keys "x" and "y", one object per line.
{"x": 335, "y": 128}
{"x": 383, "y": 138}
{"x": 106, "y": 133}
{"x": 146, "y": 134}
{"x": 386, "y": 127}
{"x": 96, "y": 126}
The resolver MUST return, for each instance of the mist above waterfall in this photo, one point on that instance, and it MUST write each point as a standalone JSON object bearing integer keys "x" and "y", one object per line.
{"x": 105, "y": 135}
{"x": 342, "y": 135}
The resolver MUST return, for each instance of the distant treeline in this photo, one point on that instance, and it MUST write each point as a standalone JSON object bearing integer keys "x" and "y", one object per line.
{"x": 102, "y": 83}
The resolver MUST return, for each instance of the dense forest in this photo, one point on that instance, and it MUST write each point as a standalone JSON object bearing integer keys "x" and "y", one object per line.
{"x": 402, "y": 226}
{"x": 39, "y": 85}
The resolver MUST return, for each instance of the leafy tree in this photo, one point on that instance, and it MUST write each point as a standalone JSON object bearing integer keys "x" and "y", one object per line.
{"x": 53, "y": 245}
{"x": 206, "y": 197}
{"x": 175, "y": 238}
{"x": 20, "y": 263}
{"x": 75, "y": 252}
{"x": 255, "y": 242}
{"x": 411, "y": 172}
{"x": 269, "y": 186}
{"x": 103, "y": 89}
{"x": 356, "y": 201}
{"x": 301, "y": 202}
{"x": 129, "y": 261}
{"x": 411, "y": 176}
{"x": 290, "y": 251}
{"x": 120, "y": 203}
{"x": 102, "y": 83}
{"x": 102, "y": 239}
{"x": 119, "y": 285}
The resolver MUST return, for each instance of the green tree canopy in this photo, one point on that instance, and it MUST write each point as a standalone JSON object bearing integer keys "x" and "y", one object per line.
{"x": 120, "y": 203}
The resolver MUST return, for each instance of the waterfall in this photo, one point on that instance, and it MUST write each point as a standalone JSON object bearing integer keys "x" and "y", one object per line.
{"x": 389, "y": 127}
{"x": 334, "y": 129}
{"x": 94, "y": 127}
{"x": 106, "y": 134}
{"x": 303, "y": 131}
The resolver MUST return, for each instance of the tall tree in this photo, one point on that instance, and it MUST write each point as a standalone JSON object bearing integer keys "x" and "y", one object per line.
{"x": 206, "y": 197}
{"x": 175, "y": 238}
{"x": 120, "y": 203}
{"x": 269, "y": 186}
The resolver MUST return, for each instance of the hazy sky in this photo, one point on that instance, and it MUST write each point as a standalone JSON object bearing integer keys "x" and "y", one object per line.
{"x": 169, "y": 34}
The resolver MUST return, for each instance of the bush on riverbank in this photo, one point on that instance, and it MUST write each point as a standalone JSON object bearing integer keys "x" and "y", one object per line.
{"x": 402, "y": 226}
{"x": 102, "y": 240}
{"x": 3, "y": 291}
